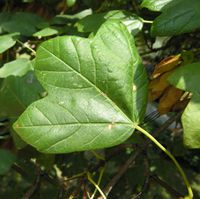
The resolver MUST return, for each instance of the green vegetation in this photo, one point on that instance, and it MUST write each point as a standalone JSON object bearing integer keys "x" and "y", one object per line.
{"x": 99, "y": 99}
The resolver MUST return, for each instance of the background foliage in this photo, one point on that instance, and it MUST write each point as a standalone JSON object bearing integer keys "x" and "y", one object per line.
{"x": 162, "y": 29}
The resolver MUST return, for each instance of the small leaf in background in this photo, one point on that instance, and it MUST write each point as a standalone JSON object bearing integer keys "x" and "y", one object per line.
{"x": 18, "y": 142}
{"x": 187, "y": 77}
{"x": 103, "y": 116}
{"x": 4, "y": 17}
{"x": 22, "y": 22}
{"x": 155, "y": 5}
{"x": 70, "y": 3}
{"x": 6, "y": 161}
{"x": 48, "y": 31}
{"x": 91, "y": 23}
{"x": 17, "y": 93}
{"x": 191, "y": 122}
{"x": 180, "y": 17}
{"x": 18, "y": 67}
{"x": 7, "y": 41}
{"x": 64, "y": 19}
{"x": 165, "y": 65}
{"x": 134, "y": 25}
{"x": 171, "y": 96}
{"x": 188, "y": 57}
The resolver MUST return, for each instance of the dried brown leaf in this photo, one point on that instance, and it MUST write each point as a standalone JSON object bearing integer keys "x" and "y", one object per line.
{"x": 165, "y": 65}
{"x": 157, "y": 86}
{"x": 171, "y": 96}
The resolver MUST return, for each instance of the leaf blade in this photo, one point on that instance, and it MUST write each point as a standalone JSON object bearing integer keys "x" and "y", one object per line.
{"x": 6, "y": 42}
{"x": 186, "y": 77}
{"x": 80, "y": 111}
{"x": 7, "y": 159}
{"x": 190, "y": 120}
{"x": 18, "y": 67}
{"x": 180, "y": 18}
{"x": 155, "y": 5}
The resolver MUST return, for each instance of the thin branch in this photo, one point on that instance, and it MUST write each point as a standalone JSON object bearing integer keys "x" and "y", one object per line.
{"x": 168, "y": 122}
{"x": 35, "y": 186}
{"x": 19, "y": 170}
{"x": 121, "y": 171}
{"x": 170, "y": 189}
{"x": 78, "y": 189}
{"x": 146, "y": 181}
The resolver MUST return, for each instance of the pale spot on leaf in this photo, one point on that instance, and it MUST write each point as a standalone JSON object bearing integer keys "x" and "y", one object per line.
{"x": 110, "y": 126}
{"x": 134, "y": 87}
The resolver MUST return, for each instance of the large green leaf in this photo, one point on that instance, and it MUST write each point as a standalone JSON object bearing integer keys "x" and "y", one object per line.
{"x": 91, "y": 23}
{"x": 6, "y": 161}
{"x": 18, "y": 67}
{"x": 155, "y": 5}
{"x": 178, "y": 17}
{"x": 92, "y": 99}
{"x": 191, "y": 122}
{"x": 187, "y": 78}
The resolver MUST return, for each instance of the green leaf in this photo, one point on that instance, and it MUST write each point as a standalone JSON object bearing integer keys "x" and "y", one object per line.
{"x": 48, "y": 31}
{"x": 155, "y": 5}
{"x": 22, "y": 22}
{"x": 140, "y": 88}
{"x": 6, "y": 42}
{"x": 4, "y": 17}
{"x": 91, "y": 100}
{"x": 191, "y": 122}
{"x": 64, "y": 19}
{"x": 91, "y": 23}
{"x": 17, "y": 93}
{"x": 70, "y": 3}
{"x": 177, "y": 18}
{"x": 6, "y": 160}
{"x": 18, "y": 142}
{"x": 18, "y": 67}
{"x": 187, "y": 77}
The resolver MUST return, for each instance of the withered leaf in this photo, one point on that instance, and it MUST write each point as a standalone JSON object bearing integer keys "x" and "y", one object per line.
{"x": 157, "y": 86}
{"x": 169, "y": 99}
{"x": 165, "y": 65}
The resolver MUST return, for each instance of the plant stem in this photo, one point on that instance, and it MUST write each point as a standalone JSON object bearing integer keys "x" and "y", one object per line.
{"x": 25, "y": 46}
{"x": 190, "y": 193}
{"x": 147, "y": 21}
{"x": 99, "y": 181}
{"x": 96, "y": 186}
{"x": 98, "y": 156}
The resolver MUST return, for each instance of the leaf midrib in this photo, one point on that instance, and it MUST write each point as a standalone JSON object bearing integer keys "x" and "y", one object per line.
{"x": 77, "y": 124}
{"x": 91, "y": 83}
